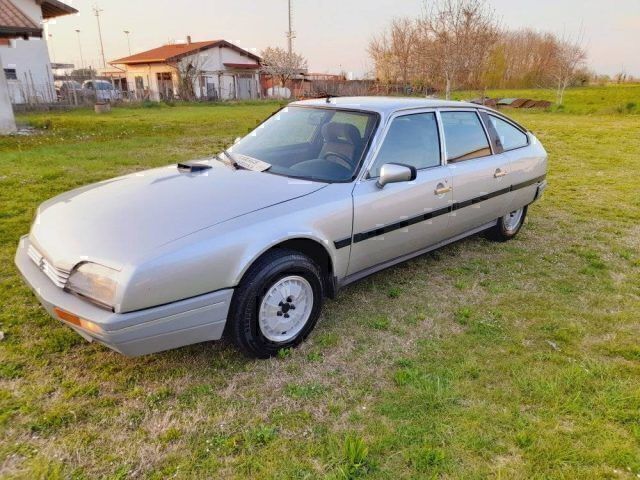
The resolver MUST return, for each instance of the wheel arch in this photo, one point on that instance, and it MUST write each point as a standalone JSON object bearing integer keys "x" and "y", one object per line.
{"x": 311, "y": 247}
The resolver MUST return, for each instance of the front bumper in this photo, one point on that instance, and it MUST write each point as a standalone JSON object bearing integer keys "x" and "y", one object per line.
{"x": 194, "y": 320}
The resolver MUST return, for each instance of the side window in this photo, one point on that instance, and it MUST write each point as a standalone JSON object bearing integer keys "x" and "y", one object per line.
{"x": 464, "y": 136}
{"x": 357, "y": 120}
{"x": 510, "y": 136}
{"x": 412, "y": 140}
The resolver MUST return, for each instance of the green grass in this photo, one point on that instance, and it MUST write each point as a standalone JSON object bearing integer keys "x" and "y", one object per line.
{"x": 515, "y": 360}
{"x": 607, "y": 99}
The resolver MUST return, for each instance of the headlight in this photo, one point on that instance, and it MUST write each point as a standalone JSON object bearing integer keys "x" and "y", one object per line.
{"x": 95, "y": 282}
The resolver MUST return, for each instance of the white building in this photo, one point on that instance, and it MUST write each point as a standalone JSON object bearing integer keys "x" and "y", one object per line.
{"x": 217, "y": 69}
{"x": 24, "y": 53}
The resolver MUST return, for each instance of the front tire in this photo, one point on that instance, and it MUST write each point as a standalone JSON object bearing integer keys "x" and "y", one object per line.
{"x": 508, "y": 226}
{"x": 277, "y": 303}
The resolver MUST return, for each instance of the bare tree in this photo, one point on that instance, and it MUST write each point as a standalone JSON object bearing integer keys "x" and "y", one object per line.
{"x": 528, "y": 58}
{"x": 380, "y": 51}
{"x": 460, "y": 44}
{"x": 403, "y": 41}
{"x": 463, "y": 33}
{"x": 394, "y": 53}
{"x": 282, "y": 65}
{"x": 570, "y": 57}
{"x": 189, "y": 71}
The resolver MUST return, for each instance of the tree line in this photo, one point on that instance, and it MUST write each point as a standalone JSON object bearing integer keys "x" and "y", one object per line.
{"x": 461, "y": 44}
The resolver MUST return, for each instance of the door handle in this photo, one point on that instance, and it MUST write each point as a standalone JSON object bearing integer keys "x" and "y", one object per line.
{"x": 499, "y": 173}
{"x": 441, "y": 189}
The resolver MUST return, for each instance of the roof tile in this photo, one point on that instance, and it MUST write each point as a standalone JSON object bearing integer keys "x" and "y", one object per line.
{"x": 173, "y": 51}
{"x": 14, "y": 21}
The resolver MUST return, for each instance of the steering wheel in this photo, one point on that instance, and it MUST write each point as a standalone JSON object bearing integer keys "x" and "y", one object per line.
{"x": 341, "y": 159}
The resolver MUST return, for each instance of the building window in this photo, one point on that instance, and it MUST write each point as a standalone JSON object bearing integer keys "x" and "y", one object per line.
{"x": 10, "y": 73}
{"x": 139, "y": 83}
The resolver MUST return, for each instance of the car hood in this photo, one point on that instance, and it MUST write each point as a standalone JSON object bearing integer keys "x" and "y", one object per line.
{"x": 115, "y": 221}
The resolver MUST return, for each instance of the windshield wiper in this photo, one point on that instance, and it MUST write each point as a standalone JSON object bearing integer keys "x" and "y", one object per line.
{"x": 231, "y": 161}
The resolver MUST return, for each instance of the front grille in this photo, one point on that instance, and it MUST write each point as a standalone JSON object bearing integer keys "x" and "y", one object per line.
{"x": 57, "y": 275}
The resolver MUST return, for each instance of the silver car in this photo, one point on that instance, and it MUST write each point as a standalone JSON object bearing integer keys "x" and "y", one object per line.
{"x": 103, "y": 90}
{"x": 248, "y": 243}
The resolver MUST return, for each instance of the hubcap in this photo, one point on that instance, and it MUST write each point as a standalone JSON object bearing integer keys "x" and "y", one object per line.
{"x": 285, "y": 308}
{"x": 512, "y": 220}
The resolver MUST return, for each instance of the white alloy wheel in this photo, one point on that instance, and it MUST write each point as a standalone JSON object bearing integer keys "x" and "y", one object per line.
{"x": 285, "y": 308}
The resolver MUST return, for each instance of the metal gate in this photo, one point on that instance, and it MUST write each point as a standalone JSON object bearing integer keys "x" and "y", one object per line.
{"x": 165, "y": 85}
{"x": 246, "y": 87}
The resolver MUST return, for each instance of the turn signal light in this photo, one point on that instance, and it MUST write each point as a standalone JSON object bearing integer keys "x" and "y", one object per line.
{"x": 66, "y": 316}
{"x": 76, "y": 320}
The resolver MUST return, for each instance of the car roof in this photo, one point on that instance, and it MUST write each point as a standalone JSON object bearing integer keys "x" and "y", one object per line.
{"x": 382, "y": 105}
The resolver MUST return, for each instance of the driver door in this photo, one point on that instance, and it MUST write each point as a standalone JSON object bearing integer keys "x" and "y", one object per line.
{"x": 405, "y": 217}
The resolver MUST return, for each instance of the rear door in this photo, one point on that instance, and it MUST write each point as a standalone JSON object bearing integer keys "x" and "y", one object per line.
{"x": 480, "y": 175}
{"x": 526, "y": 169}
{"x": 402, "y": 218}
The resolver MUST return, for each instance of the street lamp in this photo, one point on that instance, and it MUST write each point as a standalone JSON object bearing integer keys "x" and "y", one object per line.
{"x": 80, "y": 49}
{"x": 127, "y": 32}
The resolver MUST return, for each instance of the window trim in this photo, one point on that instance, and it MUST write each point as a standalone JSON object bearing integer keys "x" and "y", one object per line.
{"x": 484, "y": 129}
{"x": 514, "y": 125}
{"x": 502, "y": 116}
{"x": 383, "y": 136}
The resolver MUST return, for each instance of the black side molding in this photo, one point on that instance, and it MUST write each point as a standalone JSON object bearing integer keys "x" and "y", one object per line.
{"x": 361, "y": 236}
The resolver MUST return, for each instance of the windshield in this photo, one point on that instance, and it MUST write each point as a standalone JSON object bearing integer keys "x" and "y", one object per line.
{"x": 313, "y": 143}
{"x": 104, "y": 86}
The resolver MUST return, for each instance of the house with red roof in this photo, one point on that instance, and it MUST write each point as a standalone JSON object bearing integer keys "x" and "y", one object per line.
{"x": 212, "y": 69}
{"x": 23, "y": 49}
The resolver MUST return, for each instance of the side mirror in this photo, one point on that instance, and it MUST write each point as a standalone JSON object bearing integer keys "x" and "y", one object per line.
{"x": 396, "y": 172}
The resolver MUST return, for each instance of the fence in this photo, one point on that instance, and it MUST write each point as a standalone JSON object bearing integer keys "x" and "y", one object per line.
{"x": 82, "y": 91}
{"x": 63, "y": 92}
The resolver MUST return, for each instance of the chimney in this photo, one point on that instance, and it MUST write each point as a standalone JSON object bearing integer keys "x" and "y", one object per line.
{"x": 188, "y": 39}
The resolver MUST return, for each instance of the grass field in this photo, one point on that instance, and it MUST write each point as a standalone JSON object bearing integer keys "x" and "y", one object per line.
{"x": 515, "y": 360}
{"x": 607, "y": 99}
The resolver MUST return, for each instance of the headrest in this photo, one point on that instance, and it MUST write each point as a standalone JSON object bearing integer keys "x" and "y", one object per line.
{"x": 334, "y": 132}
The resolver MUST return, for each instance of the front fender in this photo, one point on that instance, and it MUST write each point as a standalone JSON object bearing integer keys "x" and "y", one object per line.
{"x": 219, "y": 256}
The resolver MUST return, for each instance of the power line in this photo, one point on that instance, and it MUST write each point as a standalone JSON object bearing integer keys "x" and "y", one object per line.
{"x": 290, "y": 34}
{"x": 97, "y": 11}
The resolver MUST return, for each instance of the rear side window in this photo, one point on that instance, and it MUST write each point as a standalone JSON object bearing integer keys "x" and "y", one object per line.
{"x": 510, "y": 136}
{"x": 412, "y": 140}
{"x": 464, "y": 136}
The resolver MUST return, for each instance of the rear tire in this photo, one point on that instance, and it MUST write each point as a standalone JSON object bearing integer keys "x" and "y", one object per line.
{"x": 277, "y": 303}
{"x": 508, "y": 226}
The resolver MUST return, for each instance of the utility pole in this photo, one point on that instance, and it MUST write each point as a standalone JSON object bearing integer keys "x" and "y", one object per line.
{"x": 53, "y": 52}
{"x": 127, "y": 32}
{"x": 80, "y": 49}
{"x": 97, "y": 11}
{"x": 290, "y": 34}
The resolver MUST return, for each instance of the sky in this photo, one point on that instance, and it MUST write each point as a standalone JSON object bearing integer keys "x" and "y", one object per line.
{"x": 332, "y": 34}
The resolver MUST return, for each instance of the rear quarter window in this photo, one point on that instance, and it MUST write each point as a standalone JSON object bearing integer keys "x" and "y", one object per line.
{"x": 510, "y": 136}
